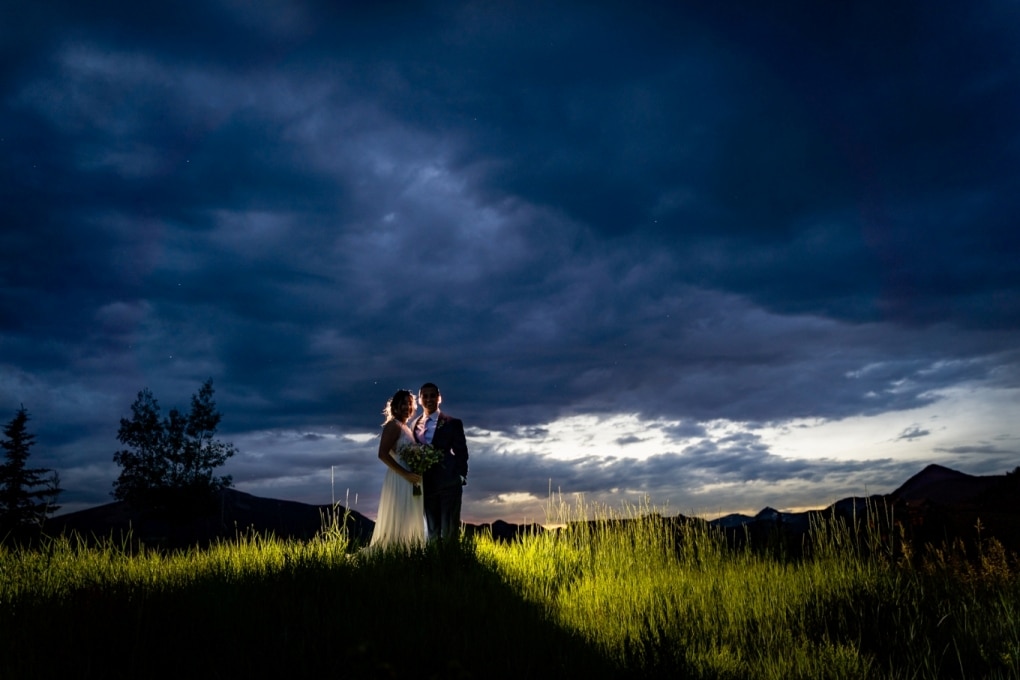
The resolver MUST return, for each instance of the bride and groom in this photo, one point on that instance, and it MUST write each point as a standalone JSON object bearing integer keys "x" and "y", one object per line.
{"x": 404, "y": 517}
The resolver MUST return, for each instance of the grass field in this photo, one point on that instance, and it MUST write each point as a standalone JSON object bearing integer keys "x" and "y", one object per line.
{"x": 629, "y": 594}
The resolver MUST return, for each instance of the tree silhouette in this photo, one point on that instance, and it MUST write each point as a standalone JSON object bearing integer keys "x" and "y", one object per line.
{"x": 27, "y": 495}
{"x": 169, "y": 463}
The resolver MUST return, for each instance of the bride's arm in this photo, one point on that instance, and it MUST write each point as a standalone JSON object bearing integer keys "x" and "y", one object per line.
{"x": 387, "y": 442}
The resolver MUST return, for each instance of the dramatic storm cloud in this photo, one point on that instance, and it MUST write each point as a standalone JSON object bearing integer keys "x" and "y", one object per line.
{"x": 712, "y": 255}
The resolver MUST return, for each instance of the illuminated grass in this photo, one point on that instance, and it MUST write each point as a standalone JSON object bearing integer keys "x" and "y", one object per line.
{"x": 629, "y": 594}
{"x": 657, "y": 595}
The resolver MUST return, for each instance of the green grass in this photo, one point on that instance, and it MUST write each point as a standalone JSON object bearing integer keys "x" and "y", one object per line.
{"x": 663, "y": 597}
{"x": 631, "y": 594}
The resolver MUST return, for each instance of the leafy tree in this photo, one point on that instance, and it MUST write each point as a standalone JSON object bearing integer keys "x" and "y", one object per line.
{"x": 27, "y": 495}
{"x": 169, "y": 463}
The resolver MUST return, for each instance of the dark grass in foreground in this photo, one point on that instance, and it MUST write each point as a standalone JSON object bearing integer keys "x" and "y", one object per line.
{"x": 606, "y": 599}
{"x": 425, "y": 614}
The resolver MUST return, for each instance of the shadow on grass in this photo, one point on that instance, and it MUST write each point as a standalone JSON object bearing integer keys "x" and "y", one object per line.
{"x": 429, "y": 614}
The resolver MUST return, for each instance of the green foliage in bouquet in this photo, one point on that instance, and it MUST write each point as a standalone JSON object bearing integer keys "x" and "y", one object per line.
{"x": 418, "y": 458}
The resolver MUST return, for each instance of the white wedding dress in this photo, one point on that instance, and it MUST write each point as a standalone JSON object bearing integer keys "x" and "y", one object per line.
{"x": 401, "y": 516}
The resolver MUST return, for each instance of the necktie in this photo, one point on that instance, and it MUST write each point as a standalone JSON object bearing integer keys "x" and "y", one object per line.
{"x": 423, "y": 423}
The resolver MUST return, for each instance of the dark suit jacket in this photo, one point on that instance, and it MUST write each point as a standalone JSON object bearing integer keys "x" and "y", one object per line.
{"x": 448, "y": 438}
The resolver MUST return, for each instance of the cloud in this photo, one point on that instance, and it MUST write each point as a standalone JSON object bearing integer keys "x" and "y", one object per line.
{"x": 974, "y": 449}
{"x": 913, "y": 432}
{"x": 668, "y": 220}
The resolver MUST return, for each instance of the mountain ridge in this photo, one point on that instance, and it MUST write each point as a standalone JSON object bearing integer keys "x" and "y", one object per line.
{"x": 935, "y": 491}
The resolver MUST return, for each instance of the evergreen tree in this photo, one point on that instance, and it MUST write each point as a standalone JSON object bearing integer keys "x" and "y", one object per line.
{"x": 27, "y": 495}
{"x": 169, "y": 463}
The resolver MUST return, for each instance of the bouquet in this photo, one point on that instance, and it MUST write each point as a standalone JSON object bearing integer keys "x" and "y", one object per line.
{"x": 418, "y": 458}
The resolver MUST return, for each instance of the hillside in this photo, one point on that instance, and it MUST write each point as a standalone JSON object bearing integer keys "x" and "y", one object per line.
{"x": 237, "y": 512}
{"x": 936, "y": 503}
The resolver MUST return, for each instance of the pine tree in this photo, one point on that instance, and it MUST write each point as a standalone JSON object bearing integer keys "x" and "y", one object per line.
{"x": 169, "y": 463}
{"x": 27, "y": 495}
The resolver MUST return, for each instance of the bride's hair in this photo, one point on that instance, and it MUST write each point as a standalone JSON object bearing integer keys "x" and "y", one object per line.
{"x": 399, "y": 397}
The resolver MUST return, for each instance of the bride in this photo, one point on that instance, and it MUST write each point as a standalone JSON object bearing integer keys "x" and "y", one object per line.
{"x": 401, "y": 516}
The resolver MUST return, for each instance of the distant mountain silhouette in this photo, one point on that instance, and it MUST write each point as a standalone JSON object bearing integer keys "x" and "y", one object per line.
{"x": 503, "y": 531}
{"x": 732, "y": 520}
{"x": 236, "y": 513}
{"x": 937, "y": 504}
{"x": 942, "y": 485}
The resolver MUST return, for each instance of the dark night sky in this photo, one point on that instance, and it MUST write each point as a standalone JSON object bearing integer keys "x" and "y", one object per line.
{"x": 715, "y": 255}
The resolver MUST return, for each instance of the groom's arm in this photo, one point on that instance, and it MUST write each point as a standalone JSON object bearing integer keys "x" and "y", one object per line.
{"x": 459, "y": 448}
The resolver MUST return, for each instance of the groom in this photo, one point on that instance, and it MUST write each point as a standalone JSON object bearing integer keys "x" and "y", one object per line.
{"x": 444, "y": 482}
